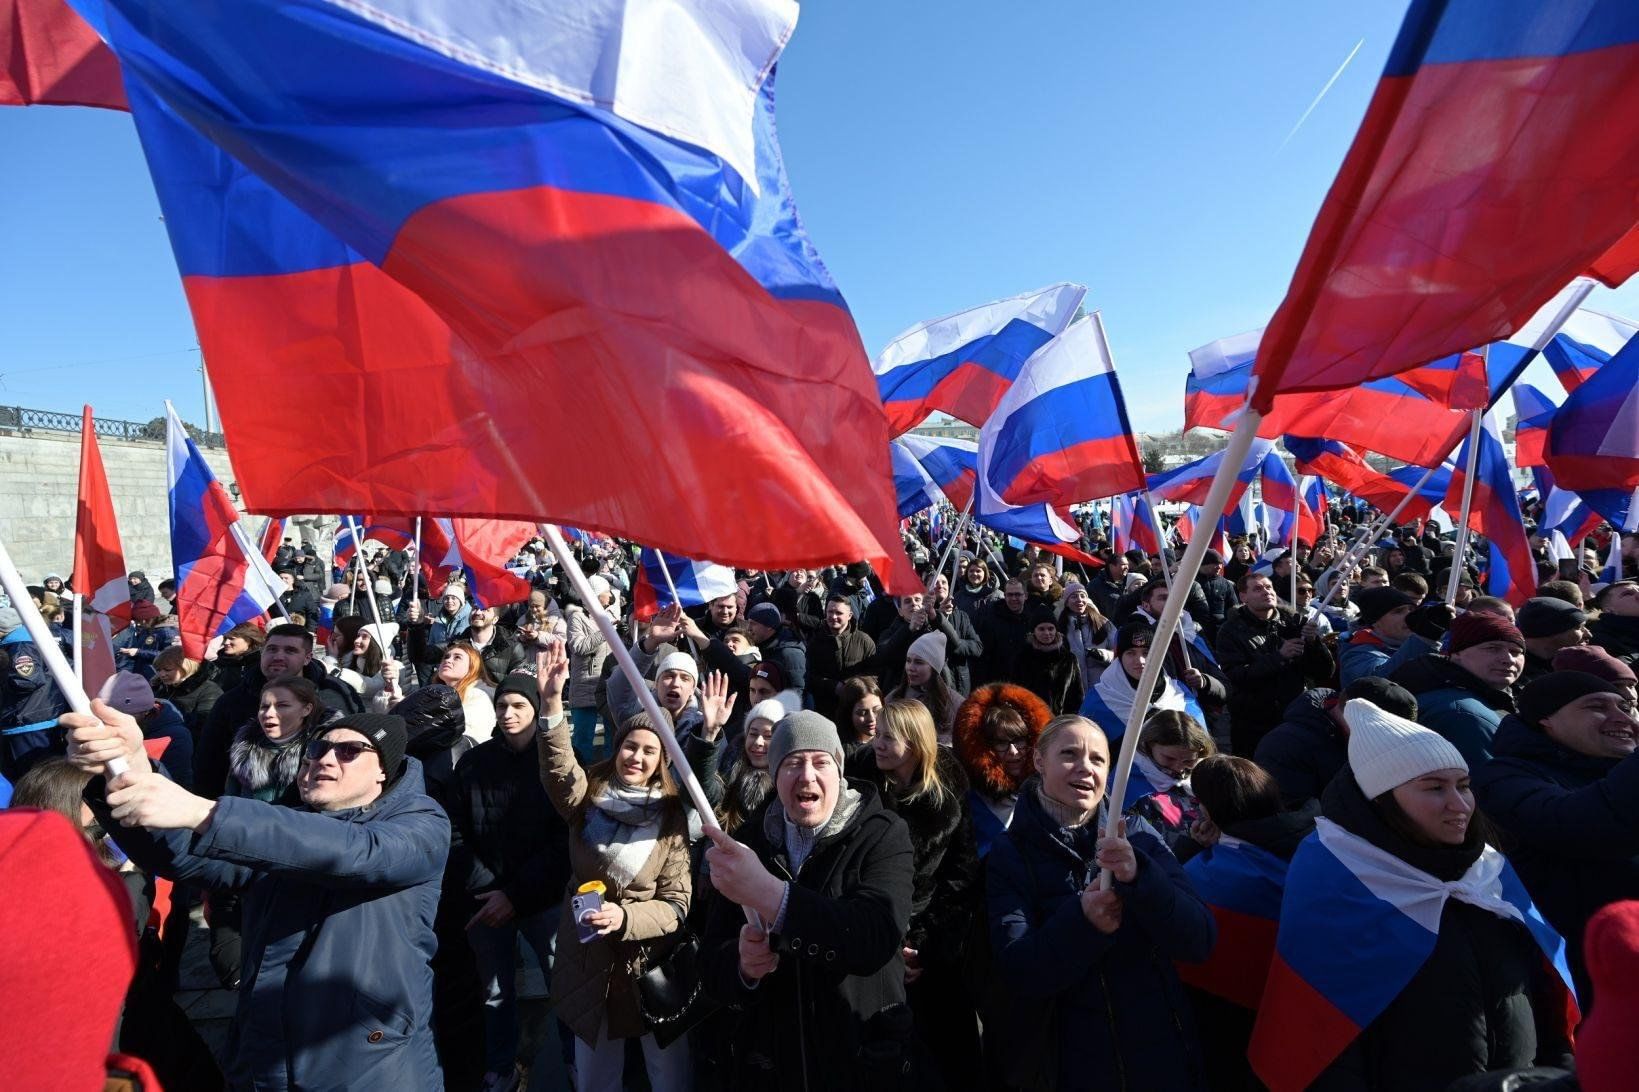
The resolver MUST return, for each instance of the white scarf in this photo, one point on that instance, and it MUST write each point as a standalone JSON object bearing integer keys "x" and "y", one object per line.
{"x": 1117, "y": 691}
{"x": 1412, "y": 891}
{"x": 623, "y": 824}
{"x": 1159, "y": 779}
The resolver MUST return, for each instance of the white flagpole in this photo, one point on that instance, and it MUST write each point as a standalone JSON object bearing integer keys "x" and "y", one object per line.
{"x": 665, "y": 570}
{"x": 1454, "y": 579}
{"x": 415, "y": 569}
{"x": 640, "y": 686}
{"x": 1240, "y": 443}
{"x": 1297, "y": 507}
{"x": 1166, "y": 574}
{"x": 950, "y": 543}
{"x": 369, "y": 588}
{"x": 79, "y": 639}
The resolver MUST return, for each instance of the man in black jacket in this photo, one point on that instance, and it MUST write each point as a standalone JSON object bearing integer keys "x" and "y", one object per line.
{"x": 1003, "y": 630}
{"x": 514, "y": 847}
{"x": 835, "y": 654}
{"x": 1311, "y": 743}
{"x": 287, "y": 654}
{"x": 1109, "y": 586}
{"x": 1616, "y": 629}
{"x": 501, "y": 652}
{"x": 820, "y": 980}
{"x": 1269, "y": 655}
{"x": 1219, "y": 594}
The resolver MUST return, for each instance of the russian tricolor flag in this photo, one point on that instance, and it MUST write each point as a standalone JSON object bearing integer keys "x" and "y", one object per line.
{"x": 1242, "y": 885}
{"x": 1060, "y": 434}
{"x": 1281, "y": 494}
{"x": 394, "y": 536}
{"x": 964, "y": 363}
{"x": 1220, "y": 375}
{"x": 1343, "y": 466}
{"x": 1588, "y": 340}
{"x": 222, "y": 579}
{"x": 951, "y": 465}
{"x": 1189, "y": 483}
{"x": 1496, "y": 162}
{"x": 1351, "y": 936}
{"x": 451, "y": 212}
{"x": 1533, "y": 413}
{"x": 697, "y": 582}
{"x": 480, "y": 549}
{"x": 1593, "y": 439}
{"x": 1494, "y": 512}
{"x": 1132, "y": 526}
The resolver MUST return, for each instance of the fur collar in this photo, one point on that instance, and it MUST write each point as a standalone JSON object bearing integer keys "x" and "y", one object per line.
{"x": 983, "y": 767}
{"x": 264, "y": 769}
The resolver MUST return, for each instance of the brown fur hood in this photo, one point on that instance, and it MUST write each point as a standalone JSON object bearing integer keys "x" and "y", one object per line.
{"x": 982, "y": 766}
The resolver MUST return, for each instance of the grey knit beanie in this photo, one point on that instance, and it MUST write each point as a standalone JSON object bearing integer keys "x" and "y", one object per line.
{"x": 804, "y": 730}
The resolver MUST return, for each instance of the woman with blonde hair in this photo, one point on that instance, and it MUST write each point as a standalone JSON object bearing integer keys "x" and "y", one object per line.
{"x": 924, "y": 784}
{"x": 179, "y": 680}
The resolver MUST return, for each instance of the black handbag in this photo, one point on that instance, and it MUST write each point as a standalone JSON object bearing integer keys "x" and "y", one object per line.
{"x": 668, "y": 990}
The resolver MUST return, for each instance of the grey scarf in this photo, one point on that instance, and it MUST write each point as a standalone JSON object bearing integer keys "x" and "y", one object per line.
{"x": 262, "y": 768}
{"x": 623, "y": 824}
{"x": 799, "y": 842}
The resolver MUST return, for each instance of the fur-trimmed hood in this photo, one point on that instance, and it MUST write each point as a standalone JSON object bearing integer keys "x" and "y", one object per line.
{"x": 983, "y": 768}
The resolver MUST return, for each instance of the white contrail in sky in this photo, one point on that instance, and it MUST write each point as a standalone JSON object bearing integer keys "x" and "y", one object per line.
{"x": 1322, "y": 94}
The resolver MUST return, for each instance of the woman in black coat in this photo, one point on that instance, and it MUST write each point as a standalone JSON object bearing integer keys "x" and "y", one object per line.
{"x": 924, "y": 785}
{"x": 1098, "y": 1001}
{"x": 184, "y": 684}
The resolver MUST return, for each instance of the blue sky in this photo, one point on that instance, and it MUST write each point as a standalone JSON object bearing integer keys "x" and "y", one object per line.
{"x": 942, "y": 155}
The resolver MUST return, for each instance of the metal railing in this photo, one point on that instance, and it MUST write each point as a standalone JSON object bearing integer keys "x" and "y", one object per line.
{"x": 20, "y": 419}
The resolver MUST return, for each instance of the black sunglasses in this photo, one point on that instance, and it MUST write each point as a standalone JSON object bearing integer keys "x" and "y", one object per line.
{"x": 346, "y": 750}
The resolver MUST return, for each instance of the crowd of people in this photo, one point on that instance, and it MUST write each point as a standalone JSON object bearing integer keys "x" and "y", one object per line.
{"x": 906, "y": 879}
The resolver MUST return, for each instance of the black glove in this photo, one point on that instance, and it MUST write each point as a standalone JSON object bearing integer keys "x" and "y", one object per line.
{"x": 1432, "y": 620}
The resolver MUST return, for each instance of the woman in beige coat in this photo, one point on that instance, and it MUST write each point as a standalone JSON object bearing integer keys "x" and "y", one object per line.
{"x": 627, "y": 830}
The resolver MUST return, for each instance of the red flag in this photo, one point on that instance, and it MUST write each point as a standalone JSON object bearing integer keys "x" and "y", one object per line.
{"x": 52, "y": 57}
{"x": 272, "y": 538}
{"x": 99, "y": 560}
{"x": 1498, "y": 160}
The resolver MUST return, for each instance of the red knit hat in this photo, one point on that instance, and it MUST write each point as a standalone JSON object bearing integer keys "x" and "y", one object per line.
{"x": 1594, "y": 660}
{"x": 1607, "y": 1053}
{"x": 1477, "y": 627}
{"x": 70, "y": 952}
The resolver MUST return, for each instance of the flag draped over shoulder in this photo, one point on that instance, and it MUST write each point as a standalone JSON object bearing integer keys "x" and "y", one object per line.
{"x": 548, "y": 272}
{"x": 1498, "y": 159}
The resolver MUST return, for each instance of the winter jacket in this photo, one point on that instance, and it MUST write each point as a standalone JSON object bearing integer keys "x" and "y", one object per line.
{"x": 210, "y": 764}
{"x": 1572, "y": 826}
{"x": 1364, "y": 653}
{"x": 1107, "y": 594}
{"x": 165, "y": 722}
{"x": 338, "y": 913}
{"x": 786, "y": 649}
{"x": 833, "y": 658}
{"x": 194, "y": 697}
{"x": 594, "y": 987}
{"x": 1305, "y": 750}
{"x": 503, "y": 655}
{"x": 434, "y": 720}
{"x": 832, "y": 1016}
{"x": 1052, "y": 675}
{"x": 506, "y": 833}
{"x": 1122, "y": 1019}
{"x": 1002, "y": 634}
{"x": 972, "y": 601}
{"x": 962, "y": 646}
{"x": 587, "y": 651}
{"x": 1261, "y": 683}
{"x": 1456, "y": 703}
{"x": 1220, "y": 600}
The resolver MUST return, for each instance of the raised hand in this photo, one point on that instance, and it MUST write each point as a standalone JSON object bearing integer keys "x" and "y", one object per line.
{"x": 551, "y": 672}
{"x": 716, "y": 705}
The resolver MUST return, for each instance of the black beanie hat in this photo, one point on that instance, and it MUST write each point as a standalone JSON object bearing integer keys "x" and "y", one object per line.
{"x": 1376, "y": 602}
{"x": 1040, "y": 616}
{"x": 1132, "y": 635}
{"x": 1550, "y": 693}
{"x": 525, "y": 686}
{"x": 386, "y": 732}
{"x": 1387, "y": 696}
{"x": 1544, "y": 616}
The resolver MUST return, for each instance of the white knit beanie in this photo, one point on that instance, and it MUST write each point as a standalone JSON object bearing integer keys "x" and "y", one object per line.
{"x": 1387, "y": 750}
{"x": 679, "y": 661}
{"x": 930, "y": 647}
{"x": 772, "y": 710}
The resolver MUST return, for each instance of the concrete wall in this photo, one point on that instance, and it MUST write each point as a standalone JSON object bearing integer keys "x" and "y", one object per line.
{"x": 39, "y": 486}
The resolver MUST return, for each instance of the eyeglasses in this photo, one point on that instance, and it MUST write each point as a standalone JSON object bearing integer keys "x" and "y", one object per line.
{"x": 346, "y": 750}
{"x": 1009, "y": 746}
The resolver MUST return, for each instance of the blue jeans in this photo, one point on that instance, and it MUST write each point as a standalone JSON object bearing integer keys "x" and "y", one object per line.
{"x": 583, "y": 730}
{"x": 496, "y": 949}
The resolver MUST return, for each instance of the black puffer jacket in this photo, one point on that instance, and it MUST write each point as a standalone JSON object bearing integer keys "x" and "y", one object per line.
{"x": 1305, "y": 750}
{"x": 194, "y": 697}
{"x": 1261, "y": 683}
{"x": 832, "y": 1015}
{"x": 436, "y": 725}
{"x": 504, "y": 828}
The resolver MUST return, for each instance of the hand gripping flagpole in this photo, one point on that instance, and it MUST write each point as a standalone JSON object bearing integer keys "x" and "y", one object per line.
{"x": 62, "y": 673}
{"x": 1454, "y": 580}
{"x": 1240, "y": 443}
{"x": 640, "y": 686}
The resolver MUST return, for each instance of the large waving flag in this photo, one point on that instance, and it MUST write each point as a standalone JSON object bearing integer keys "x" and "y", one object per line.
{"x": 1494, "y": 512}
{"x": 1497, "y": 160}
{"x": 445, "y": 216}
{"x": 1563, "y": 511}
{"x": 394, "y": 534}
{"x": 964, "y": 363}
{"x": 1343, "y": 466}
{"x": 1418, "y": 416}
{"x": 99, "y": 559}
{"x": 222, "y": 579}
{"x": 952, "y": 467}
{"x": 697, "y": 583}
{"x": 1533, "y": 413}
{"x": 1132, "y": 525}
{"x": 1282, "y": 495}
{"x": 1189, "y": 483}
{"x": 1060, "y": 433}
{"x": 50, "y": 56}
{"x": 480, "y": 549}
{"x": 1587, "y": 340}
{"x": 1352, "y": 935}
